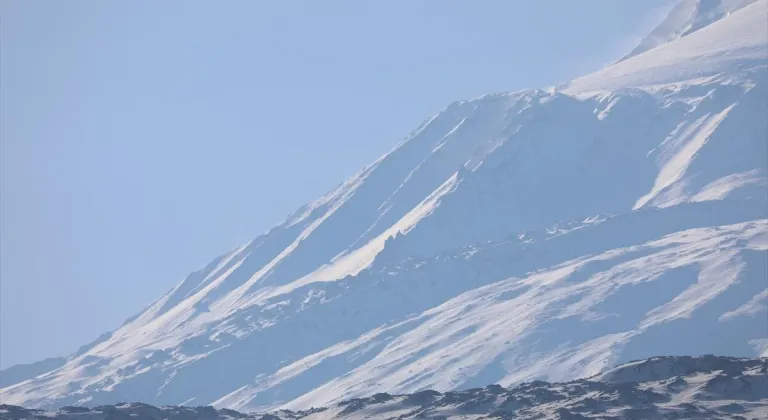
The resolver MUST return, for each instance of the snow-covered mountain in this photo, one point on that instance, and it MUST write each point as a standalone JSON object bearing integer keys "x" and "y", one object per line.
{"x": 517, "y": 236}
{"x": 705, "y": 387}
{"x": 686, "y": 17}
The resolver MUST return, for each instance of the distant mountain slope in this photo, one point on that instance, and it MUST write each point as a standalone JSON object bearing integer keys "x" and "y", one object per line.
{"x": 20, "y": 373}
{"x": 511, "y": 237}
{"x": 659, "y": 388}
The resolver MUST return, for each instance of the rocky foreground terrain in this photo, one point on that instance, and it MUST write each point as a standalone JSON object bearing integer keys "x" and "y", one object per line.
{"x": 707, "y": 387}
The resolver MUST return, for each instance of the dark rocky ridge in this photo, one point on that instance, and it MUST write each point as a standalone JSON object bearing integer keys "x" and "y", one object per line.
{"x": 706, "y": 387}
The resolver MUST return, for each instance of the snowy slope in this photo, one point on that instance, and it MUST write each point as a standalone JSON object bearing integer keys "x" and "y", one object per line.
{"x": 663, "y": 387}
{"x": 732, "y": 46}
{"x": 687, "y": 17}
{"x": 514, "y": 236}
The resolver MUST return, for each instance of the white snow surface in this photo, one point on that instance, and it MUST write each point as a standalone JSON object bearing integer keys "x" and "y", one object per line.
{"x": 687, "y": 17}
{"x": 511, "y": 237}
{"x": 735, "y": 43}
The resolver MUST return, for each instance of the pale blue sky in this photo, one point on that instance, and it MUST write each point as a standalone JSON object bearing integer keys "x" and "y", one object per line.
{"x": 140, "y": 139}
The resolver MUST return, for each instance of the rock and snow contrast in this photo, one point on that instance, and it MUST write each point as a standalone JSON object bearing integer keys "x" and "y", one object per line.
{"x": 534, "y": 235}
{"x": 660, "y": 388}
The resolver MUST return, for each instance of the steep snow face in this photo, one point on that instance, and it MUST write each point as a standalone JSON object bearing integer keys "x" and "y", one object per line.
{"x": 514, "y": 236}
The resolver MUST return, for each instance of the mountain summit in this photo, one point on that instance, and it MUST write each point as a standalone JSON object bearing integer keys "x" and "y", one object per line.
{"x": 516, "y": 236}
{"x": 687, "y": 17}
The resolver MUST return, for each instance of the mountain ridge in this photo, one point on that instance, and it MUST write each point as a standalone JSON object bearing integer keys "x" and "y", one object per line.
{"x": 686, "y": 17}
{"x": 660, "y": 387}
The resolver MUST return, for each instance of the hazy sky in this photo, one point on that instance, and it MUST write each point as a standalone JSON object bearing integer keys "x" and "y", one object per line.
{"x": 140, "y": 139}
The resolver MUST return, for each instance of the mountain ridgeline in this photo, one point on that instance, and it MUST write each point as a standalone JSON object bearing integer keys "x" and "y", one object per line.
{"x": 539, "y": 235}
{"x": 705, "y": 387}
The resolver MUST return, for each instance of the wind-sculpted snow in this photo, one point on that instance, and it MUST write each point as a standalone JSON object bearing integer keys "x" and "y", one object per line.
{"x": 659, "y": 388}
{"x": 516, "y": 236}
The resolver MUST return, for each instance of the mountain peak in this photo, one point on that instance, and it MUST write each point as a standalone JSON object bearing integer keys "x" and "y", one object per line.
{"x": 700, "y": 39}
{"x": 687, "y": 17}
